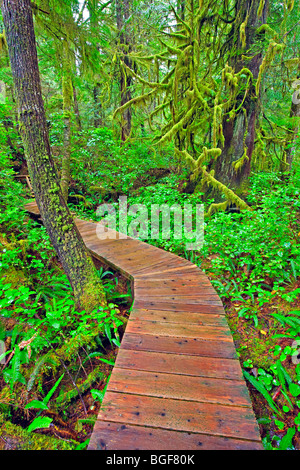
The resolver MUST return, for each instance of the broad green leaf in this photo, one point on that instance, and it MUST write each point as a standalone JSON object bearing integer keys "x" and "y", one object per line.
{"x": 39, "y": 423}
{"x": 294, "y": 389}
{"x": 286, "y": 441}
{"x": 37, "y": 404}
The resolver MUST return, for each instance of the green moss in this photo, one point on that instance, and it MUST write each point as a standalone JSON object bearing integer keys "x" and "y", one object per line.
{"x": 93, "y": 296}
{"x": 260, "y": 8}
{"x": 66, "y": 397}
{"x": 14, "y": 437}
{"x": 15, "y": 277}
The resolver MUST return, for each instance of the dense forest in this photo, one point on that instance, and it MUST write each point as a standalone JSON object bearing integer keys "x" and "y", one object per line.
{"x": 162, "y": 102}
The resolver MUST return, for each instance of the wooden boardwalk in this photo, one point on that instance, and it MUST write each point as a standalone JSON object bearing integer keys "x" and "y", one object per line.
{"x": 177, "y": 383}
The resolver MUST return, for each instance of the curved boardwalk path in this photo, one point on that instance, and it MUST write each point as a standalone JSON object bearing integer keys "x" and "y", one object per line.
{"x": 177, "y": 382}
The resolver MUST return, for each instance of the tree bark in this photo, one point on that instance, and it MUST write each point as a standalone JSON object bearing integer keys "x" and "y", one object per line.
{"x": 67, "y": 93}
{"x": 243, "y": 125}
{"x": 65, "y": 237}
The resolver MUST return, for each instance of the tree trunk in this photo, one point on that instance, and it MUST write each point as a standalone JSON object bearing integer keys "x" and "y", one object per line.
{"x": 67, "y": 92}
{"x": 290, "y": 151}
{"x": 123, "y": 9}
{"x": 239, "y": 132}
{"x": 76, "y": 110}
{"x": 66, "y": 239}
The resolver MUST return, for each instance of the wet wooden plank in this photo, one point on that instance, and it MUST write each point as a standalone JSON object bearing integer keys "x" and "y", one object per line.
{"x": 178, "y": 345}
{"x": 198, "y": 281}
{"x": 142, "y": 259}
{"x": 180, "y": 387}
{"x": 120, "y": 436}
{"x": 182, "y": 415}
{"x": 217, "y": 332}
{"x": 210, "y": 299}
{"x": 188, "y": 275}
{"x": 201, "y": 307}
{"x": 134, "y": 252}
{"x": 189, "y": 318}
{"x": 172, "y": 269}
{"x": 185, "y": 291}
{"x": 180, "y": 364}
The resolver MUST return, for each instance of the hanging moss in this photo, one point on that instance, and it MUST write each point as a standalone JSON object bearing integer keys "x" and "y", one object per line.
{"x": 267, "y": 60}
{"x": 139, "y": 100}
{"x": 243, "y": 32}
{"x": 238, "y": 164}
{"x": 265, "y": 28}
{"x": 196, "y": 100}
{"x": 156, "y": 85}
{"x": 260, "y": 8}
{"x": 213, "y": 208}
{"x": 229, "y": 194}
{"x": 198, "y": 168}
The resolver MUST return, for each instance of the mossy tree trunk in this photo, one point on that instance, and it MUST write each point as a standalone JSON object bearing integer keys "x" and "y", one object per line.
{"x": 295, "y": 114}
{"x": 68, "y": 94}
{"x": 239, "y": 131}
{"x": 76, "y": 110}
{"x": 66, "y": 239}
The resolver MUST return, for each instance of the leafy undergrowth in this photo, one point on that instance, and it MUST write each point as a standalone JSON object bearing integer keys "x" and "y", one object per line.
{"x": 253, "y": 261}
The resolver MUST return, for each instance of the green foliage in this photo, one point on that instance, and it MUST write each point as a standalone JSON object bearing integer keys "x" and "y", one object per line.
{"x": 250, "y": 247}
{"x": 102, "y": 169}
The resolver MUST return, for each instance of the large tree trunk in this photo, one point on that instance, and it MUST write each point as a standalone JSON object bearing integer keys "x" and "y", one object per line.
{"x": 244, "y": 122}
{"x": 68, "y": 94}
{"x": 123, "y": 9}
{"x": 66, "y": 239}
